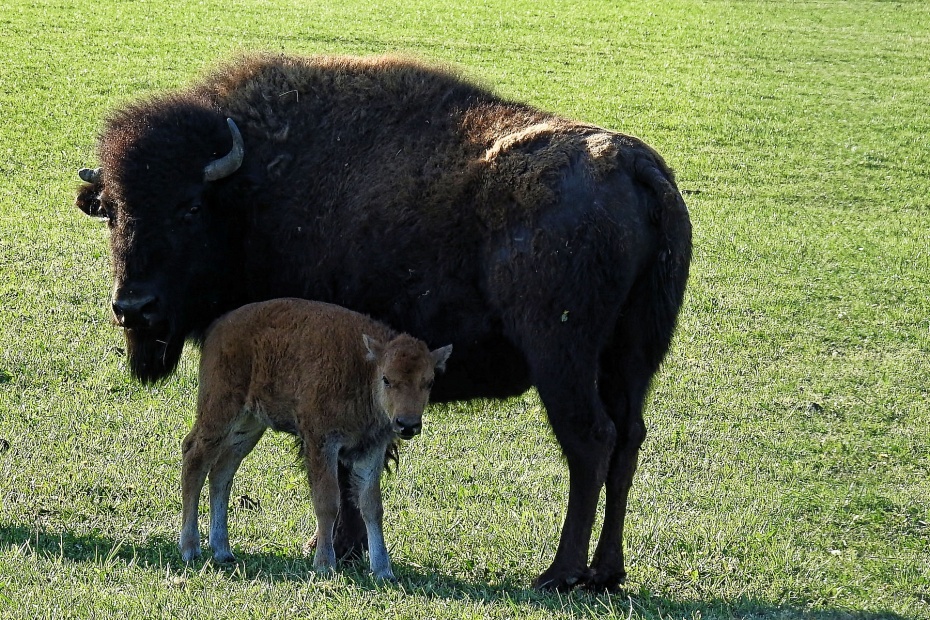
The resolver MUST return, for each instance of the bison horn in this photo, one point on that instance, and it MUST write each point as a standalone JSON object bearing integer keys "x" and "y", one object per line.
{"x": 229, "y": 163}
{"x": 90, "y": 176}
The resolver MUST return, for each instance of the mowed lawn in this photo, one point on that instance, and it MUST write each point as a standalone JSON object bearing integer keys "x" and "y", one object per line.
{"x": 785, "y": 472}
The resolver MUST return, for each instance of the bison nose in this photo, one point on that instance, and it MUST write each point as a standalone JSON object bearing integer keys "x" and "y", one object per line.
{"x": 136, "y": 312}
{"x": 408, "y": 427}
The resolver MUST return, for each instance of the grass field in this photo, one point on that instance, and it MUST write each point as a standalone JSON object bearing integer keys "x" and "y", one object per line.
{"x": 785, "y": 474}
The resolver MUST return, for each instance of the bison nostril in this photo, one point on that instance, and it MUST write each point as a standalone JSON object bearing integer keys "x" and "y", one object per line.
{"x": 136, "y": 312}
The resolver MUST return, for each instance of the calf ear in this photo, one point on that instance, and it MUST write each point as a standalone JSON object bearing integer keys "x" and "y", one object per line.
{"x": 374, "y": 348}
{"x": 88, "y": 200}
{"x": 440, "y": 356}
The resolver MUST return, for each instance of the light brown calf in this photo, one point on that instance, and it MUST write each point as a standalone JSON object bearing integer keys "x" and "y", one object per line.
{"x": 344, "y": 384}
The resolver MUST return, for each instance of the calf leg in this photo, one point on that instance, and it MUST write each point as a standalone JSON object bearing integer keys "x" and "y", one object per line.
{"x": 238, "y": 443}
{"x": 198, "y": 457}
{"x": 349, "y": 539}
{"x": 367, "y": 477}
{"x": 217, "y": 410}
{"x": 322, "y": 469}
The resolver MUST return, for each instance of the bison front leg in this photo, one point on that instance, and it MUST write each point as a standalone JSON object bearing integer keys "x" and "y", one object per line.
{"x": 349, "y": 539}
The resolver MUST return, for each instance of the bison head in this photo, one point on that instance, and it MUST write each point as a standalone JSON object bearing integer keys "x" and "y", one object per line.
{"x": 165, "y": 188}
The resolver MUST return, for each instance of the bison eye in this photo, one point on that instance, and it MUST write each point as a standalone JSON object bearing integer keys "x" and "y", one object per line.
{"x": 386, "y": 382}
{"x": 191, "y": 213}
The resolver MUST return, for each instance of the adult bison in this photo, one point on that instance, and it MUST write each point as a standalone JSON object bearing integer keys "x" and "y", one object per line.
{"x": 548, "y": 252}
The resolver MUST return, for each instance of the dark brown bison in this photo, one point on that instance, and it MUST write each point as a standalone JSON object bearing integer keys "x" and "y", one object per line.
{"x": 549, "y": 252}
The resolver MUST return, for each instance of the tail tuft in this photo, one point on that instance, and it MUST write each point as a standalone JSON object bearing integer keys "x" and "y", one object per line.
{"x": 670, "y": 215}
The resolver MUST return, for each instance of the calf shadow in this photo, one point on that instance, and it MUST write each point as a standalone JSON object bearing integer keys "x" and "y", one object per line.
{"x": 159, "y": 553}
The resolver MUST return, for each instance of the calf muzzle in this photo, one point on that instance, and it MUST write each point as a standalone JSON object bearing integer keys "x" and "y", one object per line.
{"x": 408, "y": 427}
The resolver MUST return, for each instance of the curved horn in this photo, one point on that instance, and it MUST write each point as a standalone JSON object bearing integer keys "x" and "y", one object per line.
{"x": 90, "y": 176}
{"x": 229, "y": 163}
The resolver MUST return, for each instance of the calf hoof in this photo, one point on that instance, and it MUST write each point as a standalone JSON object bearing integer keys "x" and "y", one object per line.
{"x": 345, "y": 550}
{"x": 345, "y": 553}
{"x": 224, "y": 557}
{"x": 562, "y": 580}
{"x": 190, "y": 553}
{"x": 385, "y": 577}
{"x": 324, "y": 569}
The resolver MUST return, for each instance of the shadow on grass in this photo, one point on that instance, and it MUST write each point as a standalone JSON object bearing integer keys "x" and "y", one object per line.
{"x": 159, "y": 553}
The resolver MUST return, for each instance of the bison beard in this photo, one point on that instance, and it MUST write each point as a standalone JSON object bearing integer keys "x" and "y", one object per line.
{"x": 152, "y": 356}
{"x": 550, "y": 253}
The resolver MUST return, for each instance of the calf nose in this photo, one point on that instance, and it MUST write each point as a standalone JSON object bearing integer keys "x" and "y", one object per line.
{"x": 136, "y": 311}
{"x": 408, "y": 426}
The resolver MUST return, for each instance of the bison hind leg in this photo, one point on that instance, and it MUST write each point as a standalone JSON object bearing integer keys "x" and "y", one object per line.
{"x": 564, "y": 373}
{"x": 627, "y": 366}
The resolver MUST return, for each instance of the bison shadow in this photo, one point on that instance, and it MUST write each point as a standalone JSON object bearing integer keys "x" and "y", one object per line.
{"x": 159, "y": 553}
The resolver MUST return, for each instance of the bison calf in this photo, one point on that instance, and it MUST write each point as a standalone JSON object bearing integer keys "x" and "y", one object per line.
{"x": 344, "y": 384}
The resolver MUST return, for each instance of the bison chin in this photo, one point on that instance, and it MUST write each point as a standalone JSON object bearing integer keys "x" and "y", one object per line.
{"x": 152, "y": 355}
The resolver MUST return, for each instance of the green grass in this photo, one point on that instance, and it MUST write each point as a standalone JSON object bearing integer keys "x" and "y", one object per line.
{"x": 785, "y": 474}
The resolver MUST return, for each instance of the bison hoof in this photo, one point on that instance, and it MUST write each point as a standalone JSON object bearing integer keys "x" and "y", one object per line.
{"x": 346, "y": 550}
{"x": 560, "y": 580}
{"x": 599, "y": 581}
{"x": 324, "y": 569}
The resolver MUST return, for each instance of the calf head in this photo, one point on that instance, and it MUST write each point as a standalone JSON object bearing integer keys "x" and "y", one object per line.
{"x": 404, "y": 372}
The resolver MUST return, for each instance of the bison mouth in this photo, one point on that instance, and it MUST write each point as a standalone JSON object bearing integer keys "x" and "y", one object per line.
{"x": 153, "y": 353}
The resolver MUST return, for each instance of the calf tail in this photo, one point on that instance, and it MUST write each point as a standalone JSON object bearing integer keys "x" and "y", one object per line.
{"x": 670, "y": 272}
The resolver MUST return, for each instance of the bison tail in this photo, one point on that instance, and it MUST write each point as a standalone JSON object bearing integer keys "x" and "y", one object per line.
{"x": 670, "y": 273}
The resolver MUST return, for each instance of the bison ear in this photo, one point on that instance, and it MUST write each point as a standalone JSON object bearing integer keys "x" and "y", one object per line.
{"x": 88, "y": 200}
{"x": 374, "y": 348}
{"x": 440, "y": 356}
